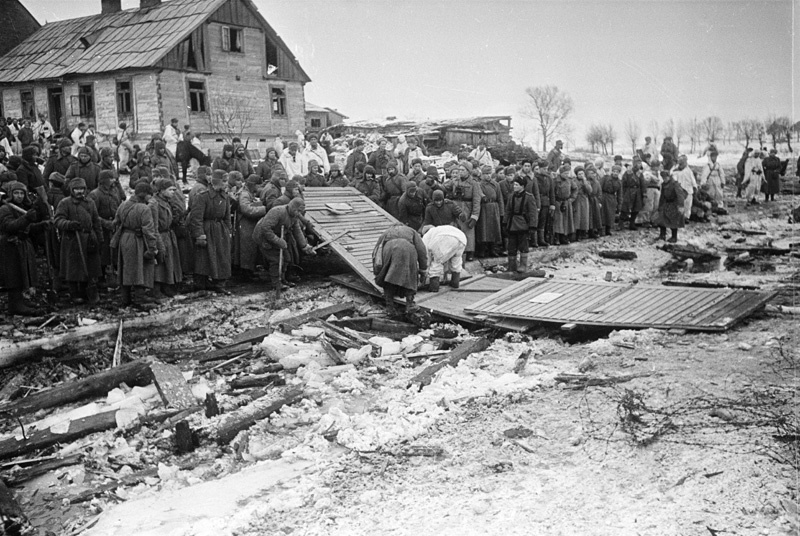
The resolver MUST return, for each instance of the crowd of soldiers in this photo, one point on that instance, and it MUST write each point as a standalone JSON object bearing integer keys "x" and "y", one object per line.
{"x": 153, "y": 239}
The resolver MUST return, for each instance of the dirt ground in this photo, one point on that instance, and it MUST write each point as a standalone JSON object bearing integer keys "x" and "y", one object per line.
{"x": 701, "y": 439}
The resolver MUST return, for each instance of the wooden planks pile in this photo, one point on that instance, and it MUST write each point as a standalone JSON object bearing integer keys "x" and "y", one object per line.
{"x": 619, "y": 305}
{"x": 365, "y": 219}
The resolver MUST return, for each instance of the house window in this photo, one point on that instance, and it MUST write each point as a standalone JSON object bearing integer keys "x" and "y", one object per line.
{"x": 86, "y": 99}
{"x": 316, "y": 123}
{"x": 197, "y": 96}
{"x": 124, "y": 99}
{"x": 278, "y": 101}
{"x": 272, "y": 58}
{"x": 28, "y": 106}
{"x": 232, "y": 39}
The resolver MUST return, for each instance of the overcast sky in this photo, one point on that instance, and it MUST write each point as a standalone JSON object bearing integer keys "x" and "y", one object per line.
{"x": 642, "y": 59}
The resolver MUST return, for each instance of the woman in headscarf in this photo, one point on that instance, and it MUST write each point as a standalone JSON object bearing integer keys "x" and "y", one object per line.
{"x": 488, "y": 233}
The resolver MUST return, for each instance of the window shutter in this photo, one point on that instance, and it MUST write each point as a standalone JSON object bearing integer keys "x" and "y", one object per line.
{"x": 226, "y": 38}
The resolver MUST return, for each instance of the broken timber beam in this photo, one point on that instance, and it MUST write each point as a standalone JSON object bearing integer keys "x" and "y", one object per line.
{"x": 261, "y": 380}
{"x": 39, "y": 439}
{"x": 458, "y": 353}
{"x": 755, "y": 250}
{"x": 619, "y": 255}
{"x": 579, "y": 381}
{"x": 245, "y": 417}
{"x": 133, "y": 374}
{"x": 688, "y": 251}
{"x": 174, "y": 320}
{"x": 20, "y": 476}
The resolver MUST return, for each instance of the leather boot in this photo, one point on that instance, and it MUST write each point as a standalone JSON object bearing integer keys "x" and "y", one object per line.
{"x": 608, "y": 230}
{"x": 512, "y": 263}
{"x": 662, "y": 235}
{"x": 470, "y": 256}
{"x": 674, "y": 237}
{"x": 389, "y": 295}
{"x": 433, "y": 284}
{"x": 168, "y": 290}
{"x": 633, "y": 225}
{"x": 523, "y": 263}
{"x": 410, "y": 305}
{"x": 126, "y": 295}
{"x": 455, "y": 279}
{"x": 157, "y": 294}
{"x": 542, "y": 242}
{"x": 16, "y": 304}
{"x": 75, "y": 293}
{"x": 533, "y": 238}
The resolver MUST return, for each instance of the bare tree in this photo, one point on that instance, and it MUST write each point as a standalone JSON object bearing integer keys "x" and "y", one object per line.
{"x": 654, "y": 131}
{"x": 229, "y": 115}
{"x": 780, "y": 129}
{"x": 550, "y": 108}
{"x": 695, "y": 131}
{"x": 711, "y": 127}
{"x": 632, "y": 131}
{"x": 729, "y": 131}
{"x": 609, "y": 137}
{"x": 759, "y": 131}
{"x": 594, "y": 136}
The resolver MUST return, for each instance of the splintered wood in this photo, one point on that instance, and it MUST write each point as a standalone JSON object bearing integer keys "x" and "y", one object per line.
{"x": 172, "y": 386}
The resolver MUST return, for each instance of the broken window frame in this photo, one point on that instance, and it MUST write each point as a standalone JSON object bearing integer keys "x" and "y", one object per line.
{"x": 277, "y": 106}
{"x": 197, "y": 96}
{"x": 233, "y": 39}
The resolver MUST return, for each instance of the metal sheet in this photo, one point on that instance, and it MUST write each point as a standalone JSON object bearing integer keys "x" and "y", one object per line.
{"x": 616, "y": 305}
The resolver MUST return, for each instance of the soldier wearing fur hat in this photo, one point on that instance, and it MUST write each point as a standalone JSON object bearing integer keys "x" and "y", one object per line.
{"x": 85, "y": 169}
{"x": 337, "y": 179}
{"x": 315, "y": 178}
{"x": 417, "y": 173}
{"x": 565, "y": 193}
{"x": 28, "y": 172}
{"x": 241, "y": 162}
{"x": 441, "y": 211}
{"x": 670, "y": 207}
{"x": 106, "y": 199}
{"x": 210, "y": 228}
{"x": 466, "y": 193}
{"x": 162, "y": 157}
{"x": 285, "y": 221}
{"x": 430, "y": 184}
{"x": 611, "y": 186}
{"x": 168, "y": 269}
{"x": 520, "y": 222}
{"x": 225, "y": 160}
{"x": 251, "y": 210}
{"x": 369, "y": 185}
{"x": 136, "y": 242}
{"x": 61, "y": 161}
{"x": 76, "y": 217}
{"x": 18, "y": 269}
{"x": 488, "y": 231}
{"x": 393, "y": 187}
{"x": 411, "y": 206}
{"x": 272, "y": 190}
{"x": 143, "y": 169}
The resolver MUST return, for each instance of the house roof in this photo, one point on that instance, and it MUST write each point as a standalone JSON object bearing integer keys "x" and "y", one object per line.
{"x": 18, "y": 23}
{"x": 478, "y": 124}
{"x": 320, "y": 109}
{"x": 129, "y": 39}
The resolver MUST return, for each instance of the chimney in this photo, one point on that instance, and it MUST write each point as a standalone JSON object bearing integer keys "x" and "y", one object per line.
{"x": 110, "y": 6}
{"x": 147, "y": 4}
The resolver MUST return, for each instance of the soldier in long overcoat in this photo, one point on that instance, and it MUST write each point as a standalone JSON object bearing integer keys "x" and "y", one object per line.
{"x": 670, "y": 207}
{"x": 169, "y": 269}
{"x": 595, "y": 201}
{"x": 580, "y": 206}
{"x": 136, "y": 242}
{"x": 18, "y": 267}
{"x": 77, "y": 219}
{"x": 106, "y": 199}
{"x": 612, "y": 198}
{"x": 467, "y": 195}
{"x": 634, "y": 190}
{"x": 398, "y": 259}
{"x": 393, "y": 186}
{"x": 441, "y": 211}
{"x": 251, "y": 210}
{"x": 547, "y": 202}
{"x": 84, "y": 168}
{"x": 521, "y": 219}
{"x": 488, "y": 233}
{"x": 210, "y": 228}
{"x": 565, "y": 193}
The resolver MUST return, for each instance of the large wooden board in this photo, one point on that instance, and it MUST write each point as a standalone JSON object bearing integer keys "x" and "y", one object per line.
{"x": 620, "y": 305}
{"x": 366, "y": 222}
